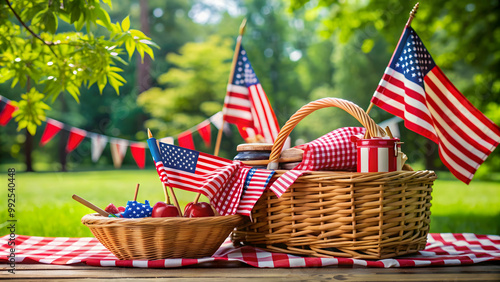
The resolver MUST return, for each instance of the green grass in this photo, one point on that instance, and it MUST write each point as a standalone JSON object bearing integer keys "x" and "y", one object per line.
{"x": 457, "y": 207}
{"x": 44, "y": 206}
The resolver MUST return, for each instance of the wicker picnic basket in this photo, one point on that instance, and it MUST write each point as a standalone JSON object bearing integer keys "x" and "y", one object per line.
{"x": 161, "y": 237}
{"x": 342, "y": 214}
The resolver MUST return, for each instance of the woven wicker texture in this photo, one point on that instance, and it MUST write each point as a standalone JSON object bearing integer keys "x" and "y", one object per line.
{"x": 161, "y": 237}
{"x": 342, "y": 214}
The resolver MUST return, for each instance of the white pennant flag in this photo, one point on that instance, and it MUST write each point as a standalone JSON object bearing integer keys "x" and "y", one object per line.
{"x": 392, "y": 123}
{"x": 118, "y": 151}
{"x": 98, "y": 142}
{"x": 167, "y": 140}
{"x": 217, "y": 121}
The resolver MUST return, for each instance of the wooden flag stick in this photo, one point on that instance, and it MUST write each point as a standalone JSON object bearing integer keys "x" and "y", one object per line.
{"x": 90, "y": 205}
{"x": 165, "y": 187}
{"x": 413, "y": 12}
{"x": 230, "y": 80}
{"x": 136, "y": 192}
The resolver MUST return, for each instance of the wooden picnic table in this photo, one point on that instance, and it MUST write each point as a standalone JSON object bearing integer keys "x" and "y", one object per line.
{"x": 237, "y": 271}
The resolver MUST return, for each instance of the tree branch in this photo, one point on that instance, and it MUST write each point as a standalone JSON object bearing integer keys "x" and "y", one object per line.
{"x": 48, "y": 43}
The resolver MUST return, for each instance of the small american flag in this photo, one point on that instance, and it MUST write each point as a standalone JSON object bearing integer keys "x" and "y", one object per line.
{"x": 414, "y": 88}
{"x": 255, "y": 183}
{"x": 221, "y": 180}
{"x": 246, "y": 103}
{"x": 190, "y": 170}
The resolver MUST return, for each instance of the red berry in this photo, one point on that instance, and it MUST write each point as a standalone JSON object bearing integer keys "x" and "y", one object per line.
{"x": 112, "y": 209}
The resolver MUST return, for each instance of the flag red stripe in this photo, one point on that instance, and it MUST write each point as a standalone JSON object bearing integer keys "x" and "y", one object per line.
{"x": 452, "y": 169}
{"x": 467, "y": 104}
{"x": 388, "y": 107}
{"x": 455, "y": 132}
{"x": 266, "y": 119}
{"x": 460, "y": 116}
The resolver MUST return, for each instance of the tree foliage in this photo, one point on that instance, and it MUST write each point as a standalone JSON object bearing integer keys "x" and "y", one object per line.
{"x": 301, "y": 50}
{"x": 194, "y": 86}
{"x": 462, "y": 36}
{"x": 46, "y": 62}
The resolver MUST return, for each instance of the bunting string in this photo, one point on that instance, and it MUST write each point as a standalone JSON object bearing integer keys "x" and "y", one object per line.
{"x": 118, "y": 146}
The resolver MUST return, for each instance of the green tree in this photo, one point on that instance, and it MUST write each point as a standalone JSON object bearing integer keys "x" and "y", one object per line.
{"x": 47, "y": 62}
{"x": 194, "y": 87}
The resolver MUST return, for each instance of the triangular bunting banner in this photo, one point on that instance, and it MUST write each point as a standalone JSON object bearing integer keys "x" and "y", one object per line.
{"x": 6, "y": 113}
{"x": 167, "y": 140}
{"x": 118, "y": 151}
{"x": 98, "y": 144}
{"x": 76, "y": 136}
{"x": 205, "y": 133}
{"x": 51, "y": 129}
{"x": 217, "y": 121}
{"x": 138, "y": 151}
{"x": 118, "y": 146}
{"x": 186, "y": 140}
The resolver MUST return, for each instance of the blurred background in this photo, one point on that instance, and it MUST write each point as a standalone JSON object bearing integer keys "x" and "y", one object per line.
{"x": 301, "y": 51}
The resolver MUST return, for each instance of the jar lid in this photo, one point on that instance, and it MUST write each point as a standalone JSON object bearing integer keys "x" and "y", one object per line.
{"x": 254, "y": 147}
{"x": 291, "y": 155}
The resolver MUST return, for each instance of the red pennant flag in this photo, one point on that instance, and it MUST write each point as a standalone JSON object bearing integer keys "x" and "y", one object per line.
{"x": 51, "y": 129}
{"x": 6, "y": 113}
{"x": 205, "y": 133}
{"x": 138, "y": 151}
{"x": 76, "y": 136}
{"x": 186, "y": 140}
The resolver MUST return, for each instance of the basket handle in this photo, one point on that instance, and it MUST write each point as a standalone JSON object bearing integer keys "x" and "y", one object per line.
{"x": 373, "y": 130}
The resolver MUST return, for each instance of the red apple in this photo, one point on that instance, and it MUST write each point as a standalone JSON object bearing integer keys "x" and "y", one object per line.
{"x": 200, "y": 209}
{"x": 121, "y": 208}
{"x": 188, "y": 208}
{"x": 112, "y": 209}
{"x": 162, "y": 209}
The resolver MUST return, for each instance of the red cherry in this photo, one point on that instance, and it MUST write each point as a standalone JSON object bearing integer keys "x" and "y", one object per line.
{"x": 121, "y": 208}
{"x": 162, "y": 209}
{"x": 112, "y": 209}
{"x": 200, "y": 209}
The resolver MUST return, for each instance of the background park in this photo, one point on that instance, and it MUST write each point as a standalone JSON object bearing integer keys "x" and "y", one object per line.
{"x": 168, "y": 71}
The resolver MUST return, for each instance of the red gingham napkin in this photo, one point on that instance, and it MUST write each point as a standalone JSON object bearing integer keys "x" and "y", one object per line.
{"x": 442, "y": 249}
{"x": 332, "y": 151}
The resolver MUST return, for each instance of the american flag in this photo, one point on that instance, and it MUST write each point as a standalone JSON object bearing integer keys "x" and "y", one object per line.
{"x": 255, "y": 183}
{"x": 246, "y": 103}
{"x": 414, "y": 88}
{"x": 221, "y": 180}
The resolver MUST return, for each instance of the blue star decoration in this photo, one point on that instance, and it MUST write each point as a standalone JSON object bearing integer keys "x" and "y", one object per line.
{"x": 135, "y": 209}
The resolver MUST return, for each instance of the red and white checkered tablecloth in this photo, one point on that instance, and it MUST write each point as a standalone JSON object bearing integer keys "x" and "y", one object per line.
{"x": 442, "y": 249}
